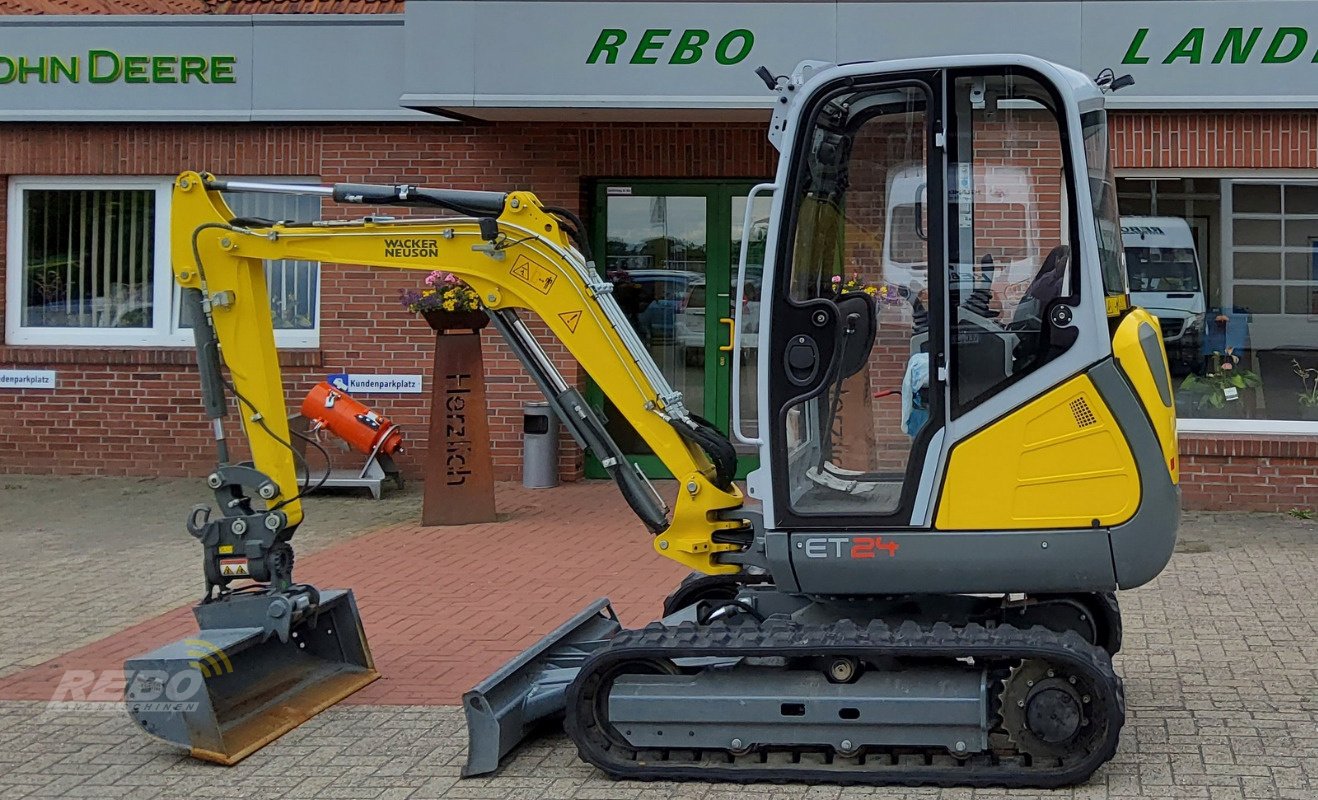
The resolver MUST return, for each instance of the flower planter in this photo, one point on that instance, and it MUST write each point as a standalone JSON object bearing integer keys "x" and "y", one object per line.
{"x": 1309, "y": 413}
{"x": 443, "y": 321}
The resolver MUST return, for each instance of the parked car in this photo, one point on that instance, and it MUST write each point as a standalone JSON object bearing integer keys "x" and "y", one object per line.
{"x": 691, "y": 322}
{"x": 652, "y": 299}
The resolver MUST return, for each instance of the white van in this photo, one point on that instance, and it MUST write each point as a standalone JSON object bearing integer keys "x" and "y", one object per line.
{"x": 1167, "y": 280}
{"x": 1002, "y": 192}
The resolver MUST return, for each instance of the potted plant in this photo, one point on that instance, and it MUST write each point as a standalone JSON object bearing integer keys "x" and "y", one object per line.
{"x": 1309, "y": 397}
{"x": 446, "y": 303}
{"x": 1221, "y": 391}
{"x": 885, "y": 294}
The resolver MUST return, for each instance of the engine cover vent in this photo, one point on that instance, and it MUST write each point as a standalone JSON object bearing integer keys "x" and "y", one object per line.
{"x": 1084, "y": 415}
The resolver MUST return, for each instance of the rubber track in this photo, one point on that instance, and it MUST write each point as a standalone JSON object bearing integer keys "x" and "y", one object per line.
{"x": 997, "y": 648}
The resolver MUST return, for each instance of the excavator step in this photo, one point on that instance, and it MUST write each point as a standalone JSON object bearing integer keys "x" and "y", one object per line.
{"x": 920, "y": 705}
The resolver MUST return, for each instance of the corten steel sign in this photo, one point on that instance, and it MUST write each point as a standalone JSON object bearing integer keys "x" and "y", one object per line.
{"x": 621, "y": 57}
{"x": 459, "y": 487}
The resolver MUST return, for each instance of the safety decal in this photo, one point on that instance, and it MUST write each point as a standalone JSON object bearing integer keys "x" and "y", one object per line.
{"x": 234, "y": 568}
{"x": 571, "y": 319}
{"x": 225, "y": 549}
{"x": 538, "y": 277}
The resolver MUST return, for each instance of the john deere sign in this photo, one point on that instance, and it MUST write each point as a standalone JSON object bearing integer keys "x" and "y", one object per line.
{"x": 629, "y": 58}
{"x": 198, "y": 68}
{"x": 107, "y": 66}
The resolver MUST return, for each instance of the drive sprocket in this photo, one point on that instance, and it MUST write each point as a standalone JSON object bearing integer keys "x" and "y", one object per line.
{"x": 1046, "y": 710}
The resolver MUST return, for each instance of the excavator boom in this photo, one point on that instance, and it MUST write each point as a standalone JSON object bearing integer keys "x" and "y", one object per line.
{"x": 517, "y": 256}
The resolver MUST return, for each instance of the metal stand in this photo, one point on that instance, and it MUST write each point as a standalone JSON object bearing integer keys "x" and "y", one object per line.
{"x": 377, "y": 469}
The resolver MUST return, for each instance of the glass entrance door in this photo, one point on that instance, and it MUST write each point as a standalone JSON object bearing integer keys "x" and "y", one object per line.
{"x": 670, "y": 250}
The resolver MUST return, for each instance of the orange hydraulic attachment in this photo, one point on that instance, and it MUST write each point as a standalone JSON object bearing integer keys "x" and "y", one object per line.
{"x": 354, "y": 423}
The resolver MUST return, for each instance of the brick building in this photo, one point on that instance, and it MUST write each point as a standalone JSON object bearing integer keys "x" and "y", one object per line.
{"x": 643, "y": 117}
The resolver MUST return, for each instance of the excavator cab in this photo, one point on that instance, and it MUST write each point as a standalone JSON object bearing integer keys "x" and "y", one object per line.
{"x": 967, "y": 444}
{"x": 956, "y": 370}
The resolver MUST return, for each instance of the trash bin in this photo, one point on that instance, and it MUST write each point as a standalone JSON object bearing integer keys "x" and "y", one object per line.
{"x": 539, "y": 446}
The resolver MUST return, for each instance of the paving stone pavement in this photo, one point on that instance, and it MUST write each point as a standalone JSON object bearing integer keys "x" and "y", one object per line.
{"x": 1220, "y": 664}
{"x": 83, "y": 557}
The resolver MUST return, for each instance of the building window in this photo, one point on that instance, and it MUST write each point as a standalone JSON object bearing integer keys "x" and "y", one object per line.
{"x": 1229, "y": 264}
{"x": 88, "y": 265}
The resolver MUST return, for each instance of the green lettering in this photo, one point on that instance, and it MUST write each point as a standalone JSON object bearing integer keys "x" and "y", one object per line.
{"x": 721, "y": 53}
{"x": 7, "y": 70}
{"x": 192, "y": 67}
{"x": 1133, "y": 52}
{"x": 652, "y": 39}
{"x": 135, "y": 69}
{"x": 27, "y": 68}
{"x": 607, "y": 45}
{"x": 1237, "y": 44}
{"x": 690, "y": 47}
{"x": 1191, "y": 47}
{"x": 95, "y": 64}
{"x": 1274, "y": 54}
{"x": 68, "y": 69}
{"x": 162, "y": 69}
{"x": 222, "y": 69}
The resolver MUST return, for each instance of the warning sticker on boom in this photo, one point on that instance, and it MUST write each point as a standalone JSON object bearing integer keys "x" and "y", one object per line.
{"x": 538, "y": 277}
{"x": 571, "y": 319}
{"x": 234, "y": 568}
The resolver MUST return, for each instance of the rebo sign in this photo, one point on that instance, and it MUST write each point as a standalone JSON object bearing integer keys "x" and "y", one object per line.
{"x": 656, "y": 43}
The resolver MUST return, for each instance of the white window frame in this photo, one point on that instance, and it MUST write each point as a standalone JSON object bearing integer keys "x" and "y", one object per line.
{"x": 165, "y": 331}
{"x": 1282, "y": 427}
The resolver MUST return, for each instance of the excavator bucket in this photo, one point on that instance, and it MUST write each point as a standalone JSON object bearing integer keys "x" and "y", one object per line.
{"x": 531, "y": 688}
{"x": 239, "y": 685}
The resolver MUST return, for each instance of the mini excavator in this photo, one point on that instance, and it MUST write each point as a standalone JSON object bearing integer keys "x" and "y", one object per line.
{"x": 922, "y": 594}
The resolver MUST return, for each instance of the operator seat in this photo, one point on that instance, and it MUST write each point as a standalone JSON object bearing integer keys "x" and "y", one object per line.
{"x": 1038, "y": 339}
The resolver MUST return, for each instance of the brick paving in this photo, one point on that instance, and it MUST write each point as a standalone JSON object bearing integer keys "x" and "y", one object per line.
{"x": 1221, "y": 669}
{"x": 443, "y": 606}
{"x": 83, "y": 557}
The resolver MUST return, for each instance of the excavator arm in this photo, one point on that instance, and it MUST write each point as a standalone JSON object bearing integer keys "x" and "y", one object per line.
{"x": 517, "y": 255}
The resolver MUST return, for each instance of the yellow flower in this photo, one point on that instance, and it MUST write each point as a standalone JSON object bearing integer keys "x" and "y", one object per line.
{"x": 871, "y": 290}
{"x": 428, "y": 293}
{"x": 450, "y": 305}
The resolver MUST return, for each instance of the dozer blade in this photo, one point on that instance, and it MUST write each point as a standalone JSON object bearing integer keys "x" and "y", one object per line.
{"x": 230, "y": 690}
{"x": 531, "y": 688}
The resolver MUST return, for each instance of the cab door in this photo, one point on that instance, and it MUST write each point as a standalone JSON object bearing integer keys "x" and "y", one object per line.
{"x": 856, "y": 396}
{"x": 927, "y": 304}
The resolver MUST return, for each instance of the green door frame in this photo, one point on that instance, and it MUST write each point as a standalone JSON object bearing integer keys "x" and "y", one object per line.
{"x": 718, "y": 194}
